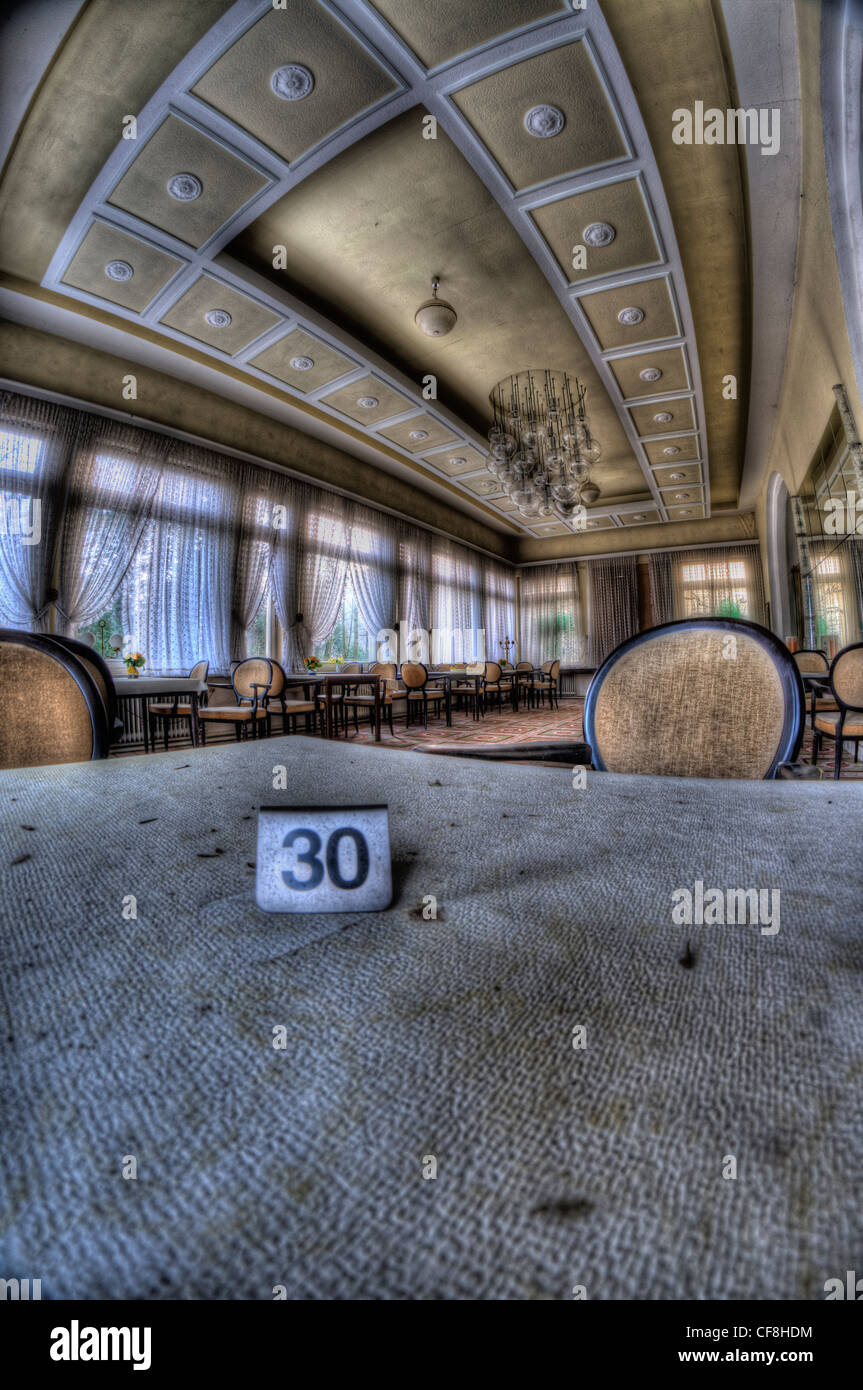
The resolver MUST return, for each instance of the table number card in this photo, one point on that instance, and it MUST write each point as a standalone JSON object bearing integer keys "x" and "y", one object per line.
{"x": 323, "y": 859}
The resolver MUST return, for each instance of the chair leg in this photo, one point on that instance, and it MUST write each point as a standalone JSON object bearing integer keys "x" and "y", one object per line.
{"x": 837, "y": 762}
{"x": 237, "y": 730}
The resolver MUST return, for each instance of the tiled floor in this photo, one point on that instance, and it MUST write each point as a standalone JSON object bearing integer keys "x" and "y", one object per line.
{"x": 506, "y": 727}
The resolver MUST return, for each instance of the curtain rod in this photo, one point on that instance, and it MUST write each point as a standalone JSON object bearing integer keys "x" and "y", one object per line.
{"x": 128, "y": 418}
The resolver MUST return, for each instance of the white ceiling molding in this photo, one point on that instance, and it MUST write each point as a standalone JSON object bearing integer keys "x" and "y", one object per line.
{"x": 413, "y": 85}
{"x": 842, "y": 114}
{"x": 767, "y": 74}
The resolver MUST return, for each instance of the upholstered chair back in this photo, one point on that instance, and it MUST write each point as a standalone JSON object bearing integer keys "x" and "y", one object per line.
{"x": 707, "y": 697}
{"x": 492, "y": 672}
{"x": 811, "y": 662}
{"x": 524, "y": 666}
{"x": 386, "y": 669}
{"x": 98, "y": 668}
{"x": 352, "y": 668}
{"x": 53, "y": 710}
{"x": 554, "y": 670}
{"x": 256, "y": 670}
{"x": 414, "y": 675}
{"x": 846, "y": 676}
{"x": 277, "y": 683}
{"x": 199, "y": 671}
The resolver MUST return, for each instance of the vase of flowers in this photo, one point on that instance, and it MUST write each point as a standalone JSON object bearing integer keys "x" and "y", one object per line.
{"x": 133, "y": 663}
{"x": 311, "y": 663}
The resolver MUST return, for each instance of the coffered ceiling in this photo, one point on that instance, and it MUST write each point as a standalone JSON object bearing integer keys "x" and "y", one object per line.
{"x": 304, "y": 169}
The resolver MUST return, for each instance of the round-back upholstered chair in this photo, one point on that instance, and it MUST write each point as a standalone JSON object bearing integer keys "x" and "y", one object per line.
{"x": 199, "y": 671}
{"x": 53, "y": 710}
{"x": 101, "y": 673}
{"x": 811, "y": 661}
{"x": 177, "y": 708}
{"x": 549, "y": 682}
{"x": 702, "y": 697}
{"x": 414, "y": 677}
{"x": 252, "y": 679}
{"x": 390, "y": 690}
{"x": 846, "y": 682}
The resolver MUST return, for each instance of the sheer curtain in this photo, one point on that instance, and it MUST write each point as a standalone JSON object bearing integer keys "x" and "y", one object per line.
{"x": 252, "y": 549}
{"x": 310, "y": 569}
{"x": 112, "y": 482}
{"x": 551, "y": 624}
{"x": 498, "y": 607}
{"x": 374, "y": 569}
{"x": 177, "y": 594}
{"x": 456, "y": 619}
{"x": 720, "y": 581}
{"x": 613, "y": 590}
{"x": 414, "y": 597}
{"x": 832, "y": 594}
{"x": 37, "y": 441}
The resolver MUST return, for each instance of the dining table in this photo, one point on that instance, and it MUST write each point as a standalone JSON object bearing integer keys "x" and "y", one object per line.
{"x": 142, "y": 689}
{"x": 523, "y": 1076}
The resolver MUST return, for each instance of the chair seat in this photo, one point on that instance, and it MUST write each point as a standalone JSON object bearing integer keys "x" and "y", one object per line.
{"x": 825, "y": 702}
{"x": 368, "y": 701}
{"x": 181, "y": 711}
{"x": 232, "y": 713}
{"x": 431, "y": 694}
{"x": 852, "y": 728}
{"x": 294, "y": 707}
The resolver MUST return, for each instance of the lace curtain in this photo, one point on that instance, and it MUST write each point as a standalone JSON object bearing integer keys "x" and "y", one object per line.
{"x": 551, "y": 624}
{"x": 414, "y": 610}
{"x": 310, "y": 568}
{"x": 37, "y": 441}
{"x": 113, "y": 478}
{"x": 720, "y": 581}
{"x": 252, "y": 549}
{"x": 613, "y": 595}
{"x": 456, "y": 617}
{"x": 374, "y": 569}
{"x": 177, "y": 596}
{"x": 498, "y": 607}
{"x": 833, "y": 595}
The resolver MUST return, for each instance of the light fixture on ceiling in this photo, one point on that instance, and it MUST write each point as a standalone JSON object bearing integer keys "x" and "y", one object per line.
{"x": 630, "y": 316}
{"x": 367, "y": 402}
{"x": 672, "y": 451}
{"x": 302, "y": 364}
{"x": 120, "y": 271}
{"x": 185, "y": 188}
{"x": 677, "y": 477}
{"x": 664, "y": 417}
{"x": 218, "y": 318}
{"x": 419, "y": 434}
{"x": 681, "y": 496}
{"x": 650, "y": 374}
{"x": 544, "y": 122}
{"x": 598, "y": 234}
{"x": 639, "y": 516}
{"x": 435, "y": 317}
{"x": 542, "y": 447}
{"x": 292, "y": 82}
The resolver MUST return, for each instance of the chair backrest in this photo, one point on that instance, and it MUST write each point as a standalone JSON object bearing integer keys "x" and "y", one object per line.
{"x": 524, "y": 665}
{"x": 199, "y": 671}
{"x": 352, "y": 668}
{"x": 685, "y": 700}
{"x": 811, "y": 662}
{"x": 846, "y": 676}
{"x": 554, "y": 670}
{"x": 387, "y": 669}
{"x": 277, "y": 684}
{"x": 491, "y": 672}
{"x": 52, "y": 708}
{"x": 547, "y": 665}
{"x": 98, "y": 668}
{"x": 414, "y": 675}
{"x": 255, "y": 670}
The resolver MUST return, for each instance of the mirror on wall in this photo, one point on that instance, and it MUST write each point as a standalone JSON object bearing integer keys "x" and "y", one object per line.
{"x": 826, "y": 547}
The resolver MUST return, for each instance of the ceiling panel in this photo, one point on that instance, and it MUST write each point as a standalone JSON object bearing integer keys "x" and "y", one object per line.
{"x": 440, "y": 31}
{"x": 463, "y": 458}
{"x": 675, "y": 474}
{"x": 686, "y": 513}
{"x": 405, "y": 434}
{"x": 608, "y": 313}
{"x": 105, "y": 246}
{"x": 679, "y": 449}
{"x": 645, "y": 518}
{"x": 369, "y": 388}
{"x": 549, "y": 528}
{"x": 248, "y": 319}
{"x": 483, "y": 486}
{"x": 565, "y": 79}
{"x": 620, "y": 206}
{"x": 346, "y": 79}
{"x": 670, "y": 363}
{"x": 226, "y": 183}
{"x": 302, "y": 348}
{"x": 683, "y": 496}
{"x": 663, "y": 417}
{"x": 600, "y": 523}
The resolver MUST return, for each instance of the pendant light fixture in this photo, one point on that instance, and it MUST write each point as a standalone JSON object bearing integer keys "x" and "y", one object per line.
{"x": 435, "y": 317}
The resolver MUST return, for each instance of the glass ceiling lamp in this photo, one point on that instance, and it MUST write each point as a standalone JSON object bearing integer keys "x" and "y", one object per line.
{"x": 542, "y": 449}
{"x": 435, "y": 317}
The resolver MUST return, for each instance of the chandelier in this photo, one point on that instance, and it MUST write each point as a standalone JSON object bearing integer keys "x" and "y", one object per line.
{"x": 542, "y": 448}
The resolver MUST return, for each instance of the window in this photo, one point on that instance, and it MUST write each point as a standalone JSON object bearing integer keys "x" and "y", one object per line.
{"x": 551, "y": 615}
{"x": 715, "y": 589}
{"x": 349, "y": 639}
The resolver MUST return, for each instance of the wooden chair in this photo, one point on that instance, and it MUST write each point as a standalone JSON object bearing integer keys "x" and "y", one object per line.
{"x": 414, "y": 677}
{"x": 495, "y": 685}
{"x": 177, "y": 708}
{"x": 101, "y": 673}
{"x": 290, "y": 710}
{"x": 549, "y": 684}
{"x": 702, "y": 697}
{"x": 392, "y": 691}
{"x": 337, "y": 698}
{"x": 524, "y": 682}
{"x": 846, "y": 683}
{"x": 52, "y": 708}
{"x": 251, "y": 679}
{"x": 811, "y": 661}
{"x": 469, "y": 692}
